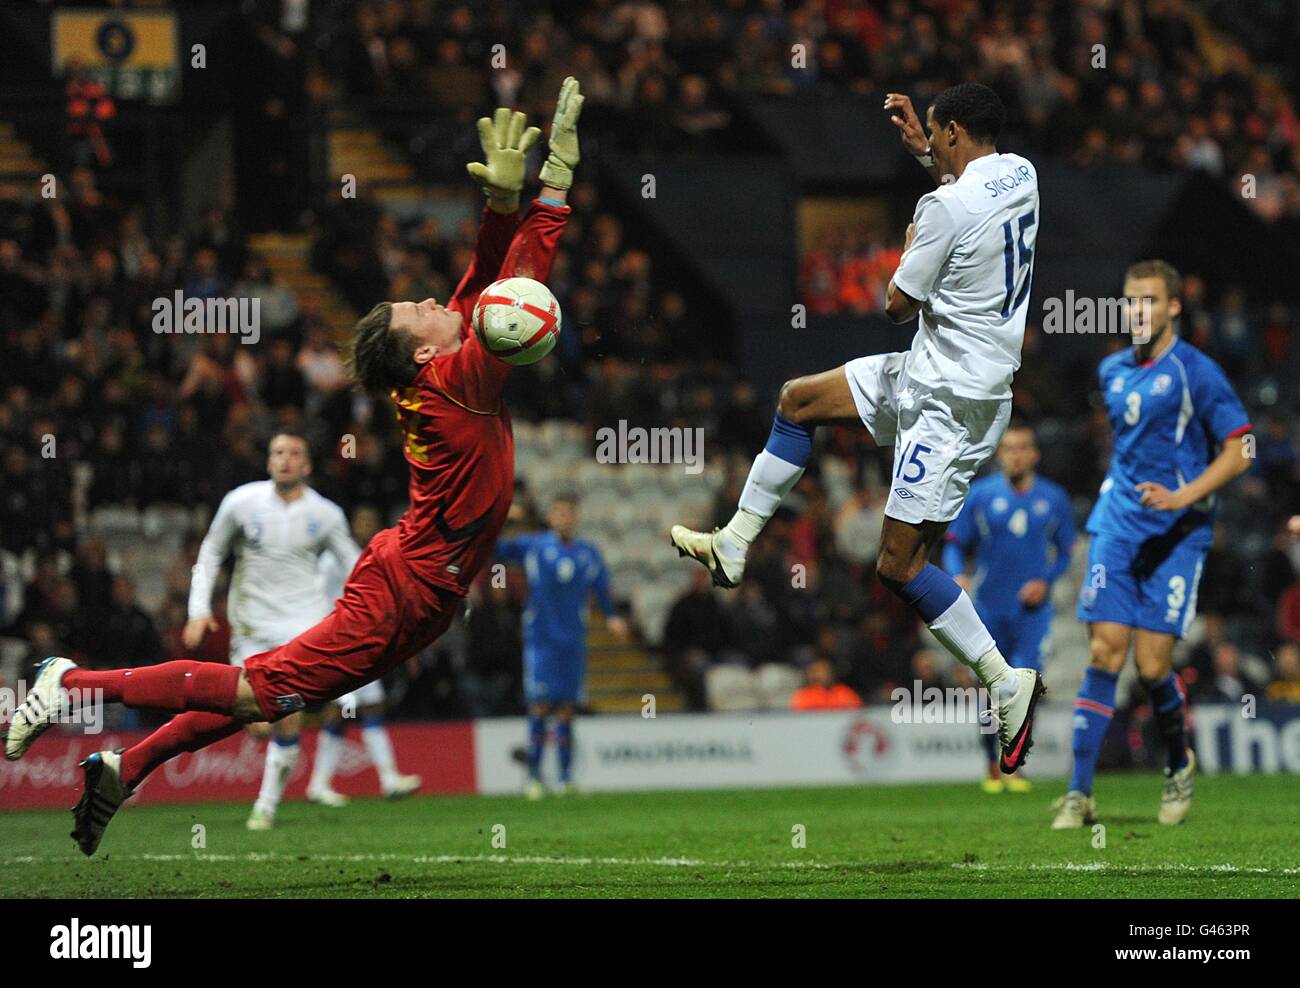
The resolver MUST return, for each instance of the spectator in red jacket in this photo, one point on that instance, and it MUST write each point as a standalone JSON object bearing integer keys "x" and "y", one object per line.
{"x": 824, "y": 691}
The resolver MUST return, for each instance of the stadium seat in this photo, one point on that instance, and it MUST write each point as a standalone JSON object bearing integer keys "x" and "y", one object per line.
{"x": 604, "y": 505}
{"x": 651, "y": 602}
{"x": 625, "y": 580}
{"x": 112, "y": 518}
{"x": 592, "y": 476}
{"x": 777, "y": 683}
{"x": 732, "y": 689}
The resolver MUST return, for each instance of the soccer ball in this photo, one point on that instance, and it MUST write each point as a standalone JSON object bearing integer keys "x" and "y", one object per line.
{"x": 517, "y": 320}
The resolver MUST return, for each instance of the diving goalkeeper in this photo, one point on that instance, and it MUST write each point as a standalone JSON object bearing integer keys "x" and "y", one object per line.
{"x": 407, "y": 585}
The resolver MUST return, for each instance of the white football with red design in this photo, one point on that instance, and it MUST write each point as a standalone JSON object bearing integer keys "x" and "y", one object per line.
{"x": 517, "y": 320}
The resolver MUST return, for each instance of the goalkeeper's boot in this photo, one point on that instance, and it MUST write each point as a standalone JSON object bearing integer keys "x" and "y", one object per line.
{"x": 1074, "y": 810}
{"x": 400, "y": 786}
{"x": 1015, "y": 718}
{"x": 1176, "y": 799}
{"x": 38, "y": 711}
{"x": 725, "y": 564}
{"x": 102, "y": 794}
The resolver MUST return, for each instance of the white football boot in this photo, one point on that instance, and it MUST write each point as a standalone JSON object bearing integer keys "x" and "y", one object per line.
{"x": 259, "y": 820}
{"x": 102, "y": 794}
{"x": 37, "y": 712}
{"x": 1074, "y": 810}
{"x": 1015, "y": 718}
{"x": 1176, "y": 798}
{"x": 402, "y": 785}
{"x": 724, "y": 566}
{"x": 534, "y": 790}
{"x": 326, "y": 796}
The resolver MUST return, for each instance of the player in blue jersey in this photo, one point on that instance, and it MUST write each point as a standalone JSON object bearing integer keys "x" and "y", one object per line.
{"x": 1179, "y": 436}
{"x": 1019, "y": 529}
{"x": 562, "y": 573}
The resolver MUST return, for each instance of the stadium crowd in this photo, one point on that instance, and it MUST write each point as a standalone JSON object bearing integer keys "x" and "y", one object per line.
{"x": 96, "y": 409}
{"x": 1168, "y": 83}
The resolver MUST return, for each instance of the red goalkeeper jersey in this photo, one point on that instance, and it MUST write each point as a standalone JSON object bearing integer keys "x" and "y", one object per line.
{"x": 457, "y": 437}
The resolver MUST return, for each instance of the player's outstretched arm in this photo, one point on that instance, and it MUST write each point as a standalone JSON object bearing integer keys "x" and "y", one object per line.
{"x": 506, "y": 141}
{"x": 563, "y": 151}
{"x": 615, "y": 623}
{"x": 912, "y": 133}
{"x": 340, "y": 544}
{"x": 203, "y": 577}
{"x": 514, "y": 549}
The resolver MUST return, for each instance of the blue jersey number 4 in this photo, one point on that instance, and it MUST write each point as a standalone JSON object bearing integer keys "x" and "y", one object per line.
{"x": 1015, "y": 256}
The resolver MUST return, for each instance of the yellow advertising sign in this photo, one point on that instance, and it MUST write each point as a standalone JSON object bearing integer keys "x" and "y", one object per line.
{"x": 133, "y": 52}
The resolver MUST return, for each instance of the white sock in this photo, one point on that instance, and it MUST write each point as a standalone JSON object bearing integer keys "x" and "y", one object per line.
{"x": 380, "y": 749}
{"x": 280, "y": 762}
{"x": 328, "y": 748}
{"x": 960, "y": 630}
{"x": 770, "y": 479}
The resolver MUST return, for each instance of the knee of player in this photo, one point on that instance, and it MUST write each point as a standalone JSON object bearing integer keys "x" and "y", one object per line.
{"x": 1107, "y": 655}
{"x": 1154, "y": 667}
{"x": 288, "y": 728}
{"x": 892, "y": 569}
{"x": 791, "y": 404}
{"x": 246, "y": 709}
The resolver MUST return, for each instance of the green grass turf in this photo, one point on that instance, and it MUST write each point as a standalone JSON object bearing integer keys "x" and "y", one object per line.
{"x": 894, "y": 842}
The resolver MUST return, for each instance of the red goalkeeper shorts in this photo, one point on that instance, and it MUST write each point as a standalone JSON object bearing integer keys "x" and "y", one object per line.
{"x": 384, "y": 616}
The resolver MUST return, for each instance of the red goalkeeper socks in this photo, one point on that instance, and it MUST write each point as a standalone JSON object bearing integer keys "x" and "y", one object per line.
{"x": 179, "y": 685}
{"x": 184, "y": 732}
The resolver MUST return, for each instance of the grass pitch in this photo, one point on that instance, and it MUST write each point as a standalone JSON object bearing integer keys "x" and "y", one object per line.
{"x": 913, "y": 841}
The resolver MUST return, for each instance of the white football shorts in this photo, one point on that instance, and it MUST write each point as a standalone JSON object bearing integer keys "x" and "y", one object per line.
{"x": 940, "y": 439}
{"x": 244, "y": 647}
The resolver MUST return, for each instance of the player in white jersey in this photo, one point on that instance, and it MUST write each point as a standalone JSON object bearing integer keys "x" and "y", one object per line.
{"x": 277, "y": 530}
{"x": 365, "y": 704}
{"x": 943, "y": 405}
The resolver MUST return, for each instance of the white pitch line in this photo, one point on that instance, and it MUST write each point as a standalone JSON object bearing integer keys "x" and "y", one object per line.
{"x": 1098, "y": 866}
{"x": 679, "y": 862}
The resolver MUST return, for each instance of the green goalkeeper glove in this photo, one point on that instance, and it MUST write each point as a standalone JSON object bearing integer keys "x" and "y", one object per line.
{"x": 557, "y": 172}
{"x": 505, "y": 146}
